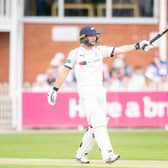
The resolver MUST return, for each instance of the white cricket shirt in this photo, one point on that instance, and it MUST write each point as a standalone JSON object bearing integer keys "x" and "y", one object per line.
{"x": 88, "y": 64}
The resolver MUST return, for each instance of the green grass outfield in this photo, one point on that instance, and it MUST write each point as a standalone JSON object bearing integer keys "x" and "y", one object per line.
{"x": 131, "y": 145}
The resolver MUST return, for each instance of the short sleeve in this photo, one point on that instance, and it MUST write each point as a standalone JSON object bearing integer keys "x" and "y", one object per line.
{"x": 107, "y": 51}
{"x": 71, "y": 59}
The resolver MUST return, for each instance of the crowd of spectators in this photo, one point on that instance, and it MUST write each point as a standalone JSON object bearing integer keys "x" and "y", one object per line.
{"x": 120, "y": 77}
{"x": 154, "y": 77}
{"x": 46, "y": 80}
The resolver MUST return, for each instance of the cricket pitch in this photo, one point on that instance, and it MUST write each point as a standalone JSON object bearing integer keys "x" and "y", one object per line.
{"x": 94, "y": 163}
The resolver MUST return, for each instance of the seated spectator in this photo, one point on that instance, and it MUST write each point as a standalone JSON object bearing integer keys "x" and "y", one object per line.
{"x": 57, "y": 62}
{"x": 128, "y": 71}
{"x": 70, "y": 83}
{"x": 44, "y": 81}
{"x": 137, "y": 81}
{"x": 126, "y": 77}
{"x": 115, "y": 82}
{"x": 40, "y": 84}
{"x": 50, "y": 77}
{"x": 150, "y": 79}
{"x": 125, "y": 83}
{"x": 163, "y": 80}
{"x": 27, "y": 86}
{"x": 157, "y": 63}
{"x": 119, "y": 62}
{"x": 106, "y": 74}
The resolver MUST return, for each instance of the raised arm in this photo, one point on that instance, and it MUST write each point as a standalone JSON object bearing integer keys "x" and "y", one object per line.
{"x": 124, "y": 49}
{"x": 143, "y": 45}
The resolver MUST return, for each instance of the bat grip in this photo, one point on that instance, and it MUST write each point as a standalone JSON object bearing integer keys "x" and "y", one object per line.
{"x": 143, "y": 47}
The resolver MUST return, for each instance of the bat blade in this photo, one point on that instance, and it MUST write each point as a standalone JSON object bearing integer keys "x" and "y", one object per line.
{"x": 158, "y": 36}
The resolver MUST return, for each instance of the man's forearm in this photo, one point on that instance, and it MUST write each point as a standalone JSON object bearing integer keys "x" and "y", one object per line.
{"x": 124, "y": 49}
{"x": 62, "y": 76}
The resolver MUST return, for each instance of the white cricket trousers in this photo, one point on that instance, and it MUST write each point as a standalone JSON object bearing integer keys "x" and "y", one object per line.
{"x": 93, "y": 102}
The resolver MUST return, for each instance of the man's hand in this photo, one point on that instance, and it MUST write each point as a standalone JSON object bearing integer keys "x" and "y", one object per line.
{"x": 144, "y": 45}
{"x": 52, "y": 95}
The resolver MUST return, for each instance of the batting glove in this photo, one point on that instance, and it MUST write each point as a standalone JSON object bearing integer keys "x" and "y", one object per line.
{"x": 144, "y": 45}
{"x": 52, "y": 95}
{"x": 148, "y": 47}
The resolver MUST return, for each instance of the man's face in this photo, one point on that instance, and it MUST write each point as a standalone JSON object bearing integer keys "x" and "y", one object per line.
{"x": 92, "y": 39}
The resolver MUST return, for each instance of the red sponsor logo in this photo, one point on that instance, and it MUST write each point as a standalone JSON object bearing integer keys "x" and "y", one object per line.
{"x": 83, "y": 63}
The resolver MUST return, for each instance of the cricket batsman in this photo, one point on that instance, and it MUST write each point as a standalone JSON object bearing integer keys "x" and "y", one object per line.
{"x": 87, "y": 62}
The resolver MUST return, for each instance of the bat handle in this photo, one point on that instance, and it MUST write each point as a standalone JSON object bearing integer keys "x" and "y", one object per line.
{"x": 153, "y": 40}
{"x": 143, "y": 47}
